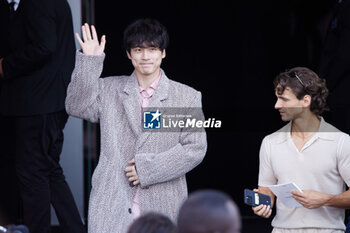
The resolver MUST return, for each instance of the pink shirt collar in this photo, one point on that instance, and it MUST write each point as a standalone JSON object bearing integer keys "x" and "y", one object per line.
{"x": 148, "y": 92}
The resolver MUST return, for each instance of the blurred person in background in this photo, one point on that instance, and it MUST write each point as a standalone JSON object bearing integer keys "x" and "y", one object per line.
{"x": 36, "y": 62}
{"x": 207, "y": 211}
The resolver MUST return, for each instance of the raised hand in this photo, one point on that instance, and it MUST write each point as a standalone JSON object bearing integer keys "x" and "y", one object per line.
{"x": 90, "y": 44}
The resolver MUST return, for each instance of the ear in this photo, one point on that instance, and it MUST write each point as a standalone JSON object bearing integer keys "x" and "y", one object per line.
{"x": 306, "y": 101}
{"x": 128, "y": 54}
{"x": 163, "y": 53}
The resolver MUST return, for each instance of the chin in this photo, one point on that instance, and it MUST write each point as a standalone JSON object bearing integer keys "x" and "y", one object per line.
{"x": 146, "y": 72}
{"x": 284, "y": 118}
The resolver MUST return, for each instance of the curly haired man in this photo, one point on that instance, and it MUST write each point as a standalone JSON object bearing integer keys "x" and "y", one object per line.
{"x": 309, "y": 152}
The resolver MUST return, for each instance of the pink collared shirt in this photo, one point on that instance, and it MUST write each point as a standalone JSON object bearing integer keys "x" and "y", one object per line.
{"x": 146, "y": 94}
{"x": 145, "y": 97}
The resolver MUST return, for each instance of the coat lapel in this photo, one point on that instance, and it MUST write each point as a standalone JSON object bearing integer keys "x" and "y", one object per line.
{"x": 161, "y": 92}
{"x": 132, "y": 104}
{"x": 157, "y": 101}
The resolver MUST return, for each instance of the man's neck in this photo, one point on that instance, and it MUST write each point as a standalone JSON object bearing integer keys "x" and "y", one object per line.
{"x": 305, "y": 127}
{"x": 145, "y": 81}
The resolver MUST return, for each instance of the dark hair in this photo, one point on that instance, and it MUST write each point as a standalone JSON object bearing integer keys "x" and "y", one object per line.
{"x": 303, "y": 81}
{"x": 207, "y": 211}
{"x": 146, "y": 33}
{"x": 152, "y": 223}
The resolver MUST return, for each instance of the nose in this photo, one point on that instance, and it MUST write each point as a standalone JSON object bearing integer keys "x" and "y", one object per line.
{"x": 145, "y": 54}
{"x": 278, "y": 104}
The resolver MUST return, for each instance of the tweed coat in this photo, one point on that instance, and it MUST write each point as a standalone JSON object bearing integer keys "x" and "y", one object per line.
{"x": 162, "y": 159}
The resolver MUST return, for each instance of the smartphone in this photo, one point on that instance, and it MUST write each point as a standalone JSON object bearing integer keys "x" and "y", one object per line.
{"x": 254, "y": 198}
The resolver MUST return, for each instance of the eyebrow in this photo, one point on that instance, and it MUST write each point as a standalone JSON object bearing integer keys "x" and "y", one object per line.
{"x": 144, "y": 47}
{"x": 282, "y": 97}
{"x": 146, "y": 44}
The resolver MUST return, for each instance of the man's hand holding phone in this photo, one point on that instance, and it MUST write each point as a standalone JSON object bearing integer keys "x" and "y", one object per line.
{"x": 260, "y": 200}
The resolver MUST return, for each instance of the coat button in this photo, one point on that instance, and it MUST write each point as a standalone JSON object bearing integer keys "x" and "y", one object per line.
{"x": 129, "y": 210}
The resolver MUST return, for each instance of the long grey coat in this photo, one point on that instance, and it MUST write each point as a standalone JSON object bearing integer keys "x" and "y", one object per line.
{"x": 162, "y": 159}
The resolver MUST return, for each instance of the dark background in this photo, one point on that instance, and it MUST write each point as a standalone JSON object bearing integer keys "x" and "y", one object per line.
{"x": 230, "y": 51}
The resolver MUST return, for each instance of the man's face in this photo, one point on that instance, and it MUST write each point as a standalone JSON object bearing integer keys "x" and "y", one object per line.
{"x": 289, "y": 106}
{"x": 146, "y": 61}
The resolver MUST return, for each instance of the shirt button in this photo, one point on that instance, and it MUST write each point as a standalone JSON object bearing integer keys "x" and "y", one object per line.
{"x": 129, "y": 210}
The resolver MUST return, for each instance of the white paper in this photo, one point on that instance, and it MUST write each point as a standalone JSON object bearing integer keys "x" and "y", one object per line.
{"x": 282, "y": 191}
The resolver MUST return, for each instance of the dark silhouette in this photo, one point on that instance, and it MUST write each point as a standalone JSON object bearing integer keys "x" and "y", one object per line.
{"x": 36, "y": 61}
{"x": 208, "y": 211}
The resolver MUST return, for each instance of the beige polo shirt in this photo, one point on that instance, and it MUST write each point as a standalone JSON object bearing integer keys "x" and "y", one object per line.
{"x": 323, "y": 165}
